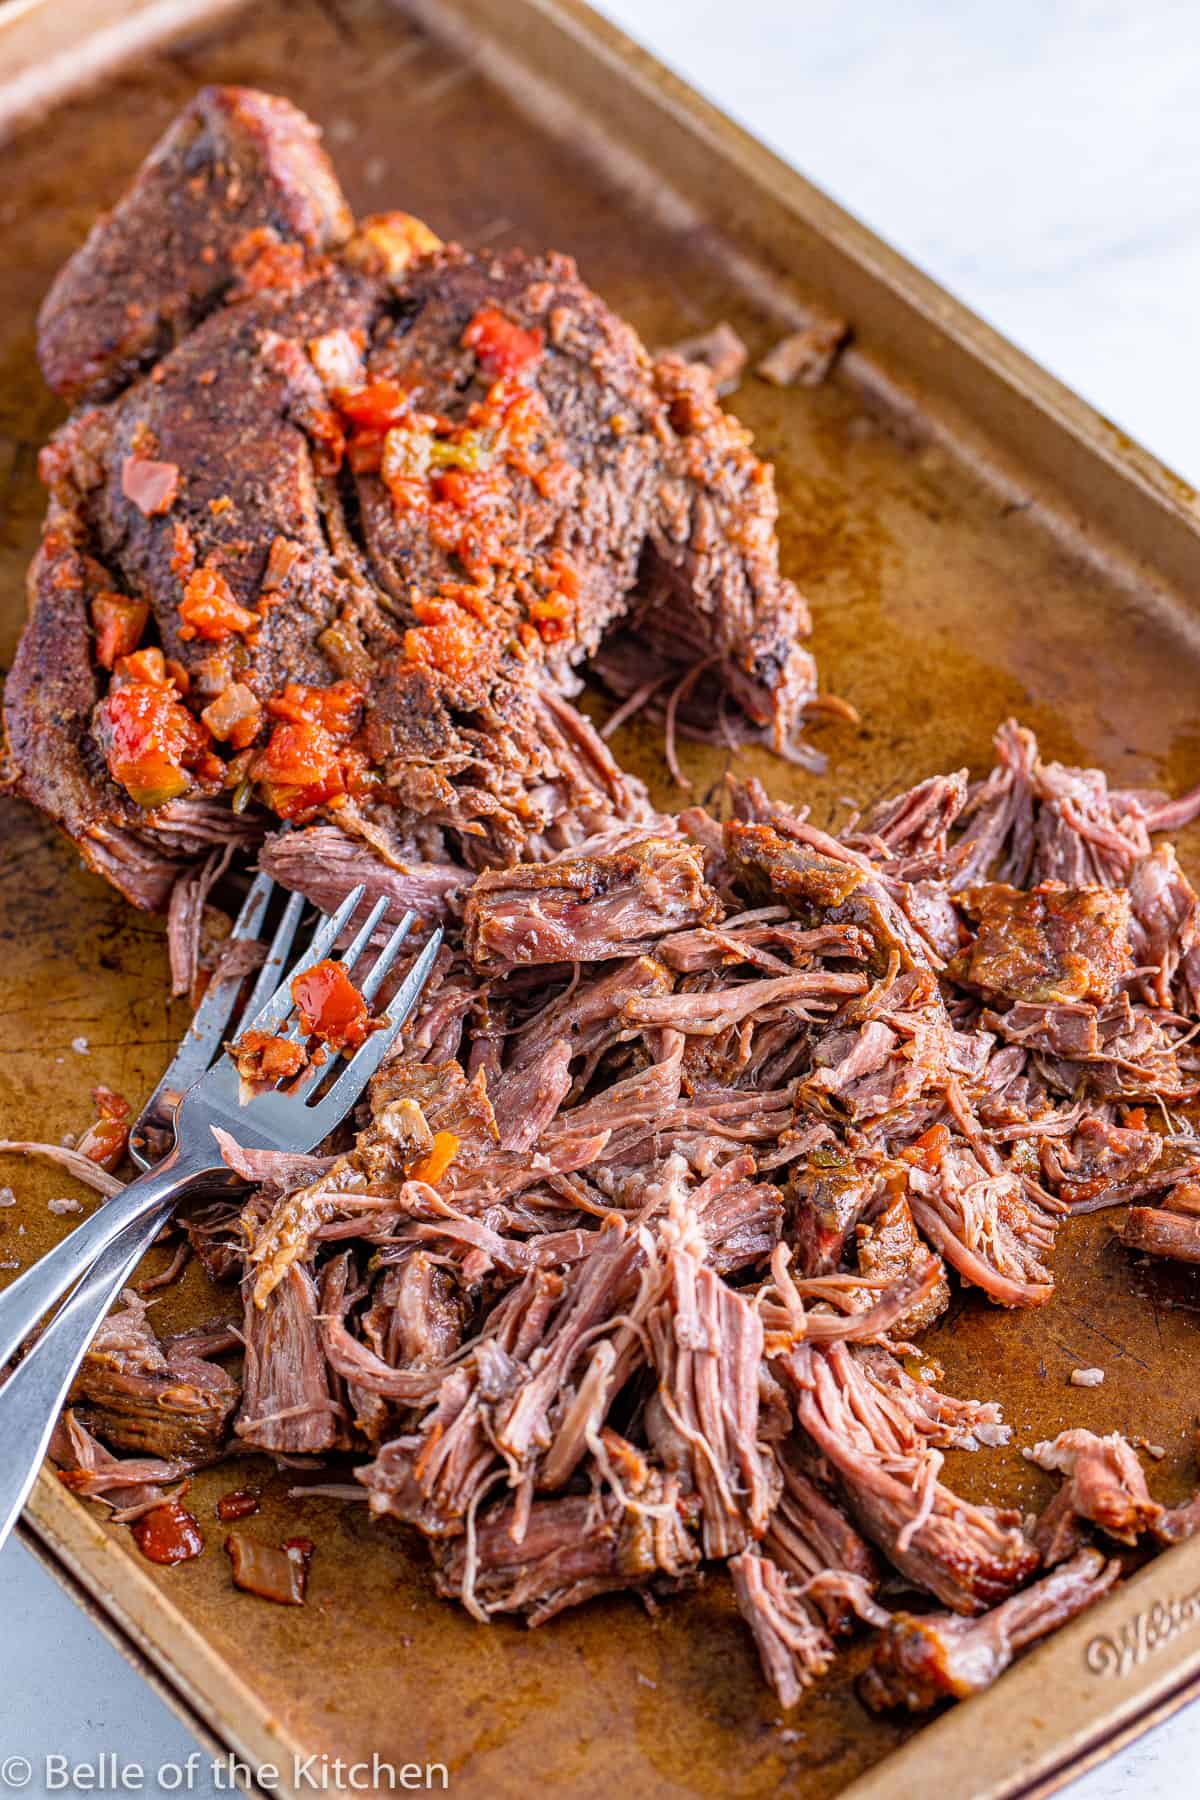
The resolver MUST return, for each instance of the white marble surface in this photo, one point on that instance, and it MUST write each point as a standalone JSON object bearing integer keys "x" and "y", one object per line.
{"x": 1037, "y": 159}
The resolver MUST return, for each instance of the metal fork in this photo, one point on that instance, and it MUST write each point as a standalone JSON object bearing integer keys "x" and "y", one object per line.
{"x": 191, "y": 1101}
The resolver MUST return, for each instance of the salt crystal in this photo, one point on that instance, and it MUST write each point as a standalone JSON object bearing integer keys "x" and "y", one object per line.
{"x": 80, "y": 1046}
{"x": 64, "y": 1206}
{"x": 1087, "y": 1377}
{"x": 68, "y": 1140}
{"x": 9, "y": 1262}
{"x": 7, "y": 1197}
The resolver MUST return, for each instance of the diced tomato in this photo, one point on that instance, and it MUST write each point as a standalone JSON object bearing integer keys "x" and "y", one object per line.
{"x": 551, "y": 614}
{"x": 447, "y": 638}
{"x": 298, "y": 802}
{"x": 471, "y": 491}
{"x": 331, "y": 1007}
{"x": 502, "y": 347}
{"x": 261, "y": 1057}
{"x": 105, "y": 1139}
{"x": 1135, "y": 1119}
{"x": 928, "y": 1150}
{"x": 152, "y": 743}
{"x": 335, "y": 707}
{"x": 300, "y": 768}
{"x": 143, "y": 665}
{"x": 298, "y": 753}
{"x": 376, "y": 407}
{"x": 437, "y": 1159}
{"x": 119, "y": 624}
{"x": 175, "y": 672}
{"x": 210, "y": 611}
{"x": 234, "y": 716}
{"x": 151, "y": 486}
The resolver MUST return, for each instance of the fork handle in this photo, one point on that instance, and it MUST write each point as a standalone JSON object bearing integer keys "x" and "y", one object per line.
{"x": 31, "y": 1295}
{"x": 32, "y": 1397}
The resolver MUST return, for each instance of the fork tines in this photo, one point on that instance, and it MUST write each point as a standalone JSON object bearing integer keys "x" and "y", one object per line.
{"x": 273, "y": 1015}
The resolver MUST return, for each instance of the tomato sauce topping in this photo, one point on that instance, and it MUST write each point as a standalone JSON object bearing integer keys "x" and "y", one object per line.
{"x": 331, "y": 1007}
{"x": 261, "y": 1057}
{"x": 153, "y": 745}
{"x": 118, "y": 623}
{"x": 501, "y": 347}
{"x": 208, "y": 609}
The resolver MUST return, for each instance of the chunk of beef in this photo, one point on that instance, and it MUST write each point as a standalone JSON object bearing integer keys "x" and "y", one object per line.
{"x": 1104, "y": 1486}
{"x": 161, "y": 1402}
{"x": 919, "y": 1661}
{"x": 235, "y": 161}
{"x": 818, "y": 879}
{"x": 587, "y": 1016}
{"x": 969, "y": 1556}
{"x": 793, "y": 1643}
{"x": 890, "y": 1248}
{"x": 587, "y": 909}
{"x": 1157, "y": 1232}
{"x": 808, "y": 1535}
{"x": 130, "y": 1485}
{"x": 1164, "y": 930}
{"x": 323, "y": 863}
{"x": 714, "y": 592}
{"x": 721, "y": 351}
{"x": 572, "y": 1549}
{"x": 519, "y": 466}
{"x": 1103, "y": 1164}
{"x": 288, "y": 1403}
{"x": 1048, "y": 945}
{"x": 983, "y": 1223}
{"x": 827, "y": 1195}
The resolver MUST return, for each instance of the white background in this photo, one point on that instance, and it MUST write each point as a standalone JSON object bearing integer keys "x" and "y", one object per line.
{"x": 1038, "y": 157}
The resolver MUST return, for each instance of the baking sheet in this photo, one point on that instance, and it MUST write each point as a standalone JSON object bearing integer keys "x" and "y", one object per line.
{"x": 974, "y": 542}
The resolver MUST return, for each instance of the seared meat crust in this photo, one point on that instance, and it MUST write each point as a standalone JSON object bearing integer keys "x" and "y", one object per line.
{"x": 225, "y": 323}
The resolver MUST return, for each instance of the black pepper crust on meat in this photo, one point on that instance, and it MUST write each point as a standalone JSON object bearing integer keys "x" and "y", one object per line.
{"x": 352, "y": 462}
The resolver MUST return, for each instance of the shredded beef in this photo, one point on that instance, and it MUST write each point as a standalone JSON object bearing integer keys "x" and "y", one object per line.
{"x": 1104, "y": 1486}
{"x": 919, "y": 1661}
{"x": 724, "y": 1112}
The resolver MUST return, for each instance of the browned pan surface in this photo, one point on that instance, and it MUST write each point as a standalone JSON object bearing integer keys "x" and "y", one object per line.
{"x": 941, "y": 602}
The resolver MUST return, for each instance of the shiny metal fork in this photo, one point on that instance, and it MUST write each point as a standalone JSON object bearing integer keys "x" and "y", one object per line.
{"x": 191, "y": 1098}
